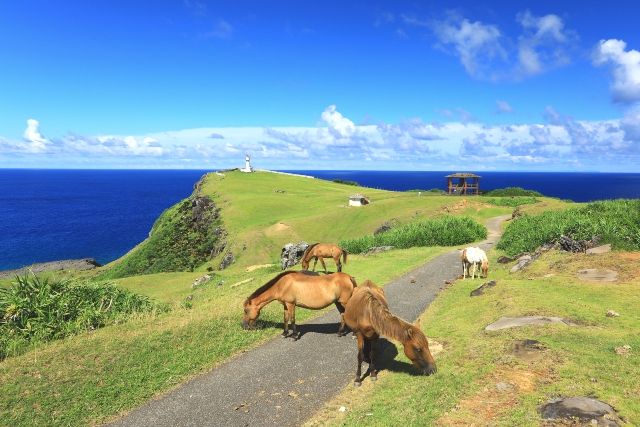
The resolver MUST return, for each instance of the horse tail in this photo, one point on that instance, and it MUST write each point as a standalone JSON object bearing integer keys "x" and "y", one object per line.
{"x": 353, "y": 281}
{"x": 344, "y": 256}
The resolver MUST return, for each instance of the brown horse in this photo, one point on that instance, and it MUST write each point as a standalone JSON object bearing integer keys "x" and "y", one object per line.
{"x": 367, "y": 314}
{"x": 323, "y": 250}
{"x": 294, "y": 288}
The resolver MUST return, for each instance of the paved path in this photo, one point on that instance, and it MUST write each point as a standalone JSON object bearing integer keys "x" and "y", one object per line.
{"x": 284, "y": 382}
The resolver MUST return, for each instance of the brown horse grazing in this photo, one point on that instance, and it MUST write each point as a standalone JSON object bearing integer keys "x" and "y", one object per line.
{"x": 367, "y": 314}
{"x": 294, "y": 288}
{"x": 323, "y": 250}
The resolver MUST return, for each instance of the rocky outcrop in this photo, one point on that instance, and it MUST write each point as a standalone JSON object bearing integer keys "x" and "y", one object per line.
{"x": 67, "y": 264}
{"x": 227, "y": 260}
{"x": 291, "y": 254}
{"x": 386, "y": 226}
{"x": 377, "y": 250}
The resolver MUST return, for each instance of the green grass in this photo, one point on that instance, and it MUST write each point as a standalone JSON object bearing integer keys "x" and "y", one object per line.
{"x": 444, "y": 231}
{"x": 88, "y": 378}
{"x": 513, "y": 201}
{"x": 35, "y": 310}
{"x": 512, "y": 191}
{"x": 580, "y": 360}
{"x": 615, "y": 221}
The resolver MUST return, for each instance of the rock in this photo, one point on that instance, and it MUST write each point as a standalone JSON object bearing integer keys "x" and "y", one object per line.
{"x": 523, "y": 261}
{"x": 227, "y": 260}
{"x": 291, "y": 254}
{"x": 599, "y": 250}
{"x": 505, "y": 259}
{"x": 66, "y": 264}
{"x": 625, "y": 350}
{"x": 342, "y": 409}
{"x": 377, "y": 250}
{"x": 386, "y": 226}
{"x": 597, "y": 275}
{"x": 505, "y": 387}
{"x": 611, "y": 313}
{"x": 515, "y": 322}
{"x": 200, "y": 281}
{"x": 584, "y": 409}
{"x": 480, "y": 289}
{"x": 528, "y": 349}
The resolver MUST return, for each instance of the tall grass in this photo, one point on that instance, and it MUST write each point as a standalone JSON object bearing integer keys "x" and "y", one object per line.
{"x": 512, "y": 191}
{"x": 444, "y": 231}
{"x": 614, "y": 221}
{"x": 35, "y": 309}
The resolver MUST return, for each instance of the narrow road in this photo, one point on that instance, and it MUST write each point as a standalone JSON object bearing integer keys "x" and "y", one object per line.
{"x": 284, "y": 382}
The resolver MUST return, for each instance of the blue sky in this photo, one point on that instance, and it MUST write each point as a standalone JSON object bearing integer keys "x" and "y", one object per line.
{"x": 320, "y": 85}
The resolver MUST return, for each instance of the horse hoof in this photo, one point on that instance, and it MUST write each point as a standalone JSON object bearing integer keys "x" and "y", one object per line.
{"x": 374, "y": 378}
{"x": 357, "y": 383}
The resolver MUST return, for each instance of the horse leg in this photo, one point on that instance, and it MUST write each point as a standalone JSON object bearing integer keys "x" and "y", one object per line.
{"x": 372, "y": 369}
{"x": 338, "y": 263}
{"x": 323, "y": 265}
{"x": 285, "y": 333}
{"x": 340, "y": 308}
{"x": 315, "y": 262}
{"x": 358, "y": 380}
{"x": 296, "y": 334}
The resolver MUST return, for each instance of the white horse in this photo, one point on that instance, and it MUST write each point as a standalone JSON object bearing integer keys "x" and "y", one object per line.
{"x": 474, "y": 257}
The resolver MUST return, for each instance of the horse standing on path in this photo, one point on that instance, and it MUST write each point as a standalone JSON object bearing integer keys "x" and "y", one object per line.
{"x": 294, "y": 288}
{"x": 367, "y": 315}
{"x": 321, "y": 251}
{"x": 473, "y": 257}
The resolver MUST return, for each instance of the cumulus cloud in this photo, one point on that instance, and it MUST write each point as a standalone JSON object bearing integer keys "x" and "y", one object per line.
{"x": 36, "y": 142}
{"x": 338, "y": 125}
{"x": 503, "y": 107}
{"x": 216, "y": 135}
{"x": 544, "y": 44}
{"x": 625, "y": 64}
{"x": 475, "y": 43}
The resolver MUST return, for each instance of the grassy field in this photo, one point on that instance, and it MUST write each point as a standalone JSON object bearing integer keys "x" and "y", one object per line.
{"x": 579, "y": 360}
{"x": 88, "y": 378}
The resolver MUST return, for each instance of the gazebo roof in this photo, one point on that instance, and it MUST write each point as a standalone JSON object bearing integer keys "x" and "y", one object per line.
{"x": 463, "y": 175}
{"x": 358, "y": 196}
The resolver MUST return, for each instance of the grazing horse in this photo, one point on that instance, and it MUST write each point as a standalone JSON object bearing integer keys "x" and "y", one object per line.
{"x": 367, "y": 315}
{"x": 473, "y": 257}
{"x": 323, "y": 250}
{"x": 294, "y": 288}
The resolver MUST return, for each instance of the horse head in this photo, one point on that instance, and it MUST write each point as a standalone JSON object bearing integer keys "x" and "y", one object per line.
{"x": 251, "y": 313}
{"x": 416, "y": 348}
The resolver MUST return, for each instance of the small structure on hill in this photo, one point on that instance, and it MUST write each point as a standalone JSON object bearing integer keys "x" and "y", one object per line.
{"x": 463, "y": 183}
{"x": 247, "y": 164}
{"x": 358, "y": 200}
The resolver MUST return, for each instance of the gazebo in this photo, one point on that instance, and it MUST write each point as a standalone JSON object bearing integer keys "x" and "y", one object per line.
{"x": 463, "y": 183}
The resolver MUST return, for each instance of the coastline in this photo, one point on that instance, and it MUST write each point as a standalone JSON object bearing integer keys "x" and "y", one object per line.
{"x": 41, "y": 267}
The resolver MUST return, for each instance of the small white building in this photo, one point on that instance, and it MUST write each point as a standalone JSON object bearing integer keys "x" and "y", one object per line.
{"x": 358, "y": 200}
{"x": 247, "y": 164}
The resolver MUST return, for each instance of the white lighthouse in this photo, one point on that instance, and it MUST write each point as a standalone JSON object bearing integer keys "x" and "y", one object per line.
{"x": 247, "y": 164}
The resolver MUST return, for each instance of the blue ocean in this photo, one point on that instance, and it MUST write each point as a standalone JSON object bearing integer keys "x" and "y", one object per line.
{"x": 48, "y": 215}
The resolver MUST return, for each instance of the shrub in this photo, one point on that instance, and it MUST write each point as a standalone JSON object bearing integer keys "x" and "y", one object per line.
{"x": 512, "y": 191}
{"x": 513, "y": 201}
{"x": 614, "y": 221}
{"x": 34, "y": 309}
{"x": 444, "y": 231}
{"x": 345, "y": 182}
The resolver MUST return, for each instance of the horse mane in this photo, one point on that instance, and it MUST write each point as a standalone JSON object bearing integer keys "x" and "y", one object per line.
{"x": 387, "y": 324}
{"x": 306, "y": 251}
{"x": 268, "y": 285}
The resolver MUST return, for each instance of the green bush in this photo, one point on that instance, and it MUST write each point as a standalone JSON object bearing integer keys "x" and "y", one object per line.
{"x": 444, "y": 231}
{"x": 34, "y": 309}
{"x": 345, "y": 182}
{"x": 614, "y": 221}
{"x": 512, "y": 191}
{"x": 513, "y": 201}
{"x": 185, "y": 236}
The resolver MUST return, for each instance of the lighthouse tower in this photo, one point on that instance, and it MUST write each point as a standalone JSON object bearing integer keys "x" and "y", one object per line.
{"x": 247, "y": 164}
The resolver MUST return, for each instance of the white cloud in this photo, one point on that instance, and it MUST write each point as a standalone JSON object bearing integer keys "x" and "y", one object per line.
{"x": 503, "y": 107}
{"x": 475, "y": 43}
{"x": 625, "y": 86}
{"x": 36, "y": 142}
{"x": 339, "y": 126}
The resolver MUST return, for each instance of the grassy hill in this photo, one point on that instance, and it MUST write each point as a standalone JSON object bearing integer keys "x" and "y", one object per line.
{"x": 90, "y": 377}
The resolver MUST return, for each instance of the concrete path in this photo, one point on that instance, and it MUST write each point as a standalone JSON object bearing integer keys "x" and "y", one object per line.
{"x": 284, "y": 382}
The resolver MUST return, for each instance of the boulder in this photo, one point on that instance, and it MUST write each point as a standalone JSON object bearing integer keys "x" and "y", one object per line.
{"x": 523, "y": 261}
{"x": 386, "y": 226}
{"x": 480, "y": 289}
{"x": 599, "y": 250}
{"x": 377, "y": 250}
{"x": 227, "y": 260}
{"x": 597, "y": 275}
{"x": 516, "y": 322}
{"x": 505, "y": 259}
{"x": 291, "y": 254}
{"x": 584, "y": 409}
{"x": 200, "y": 281}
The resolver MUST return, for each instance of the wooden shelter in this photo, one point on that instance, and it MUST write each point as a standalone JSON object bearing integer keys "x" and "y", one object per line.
{"x": 463, "y": 183}
{"x": 358, "y": 200}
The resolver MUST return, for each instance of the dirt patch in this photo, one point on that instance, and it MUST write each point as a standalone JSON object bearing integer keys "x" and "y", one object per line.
{"x": 630, "y": 256}
{"x": 499, "y": 395}
{"x": 564, "y": 264}
{"x": 257, "y": 267}
{"x": 280, "y": 227}
{"x": 528, "y": 350}
{"x": 579, "y": 411}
